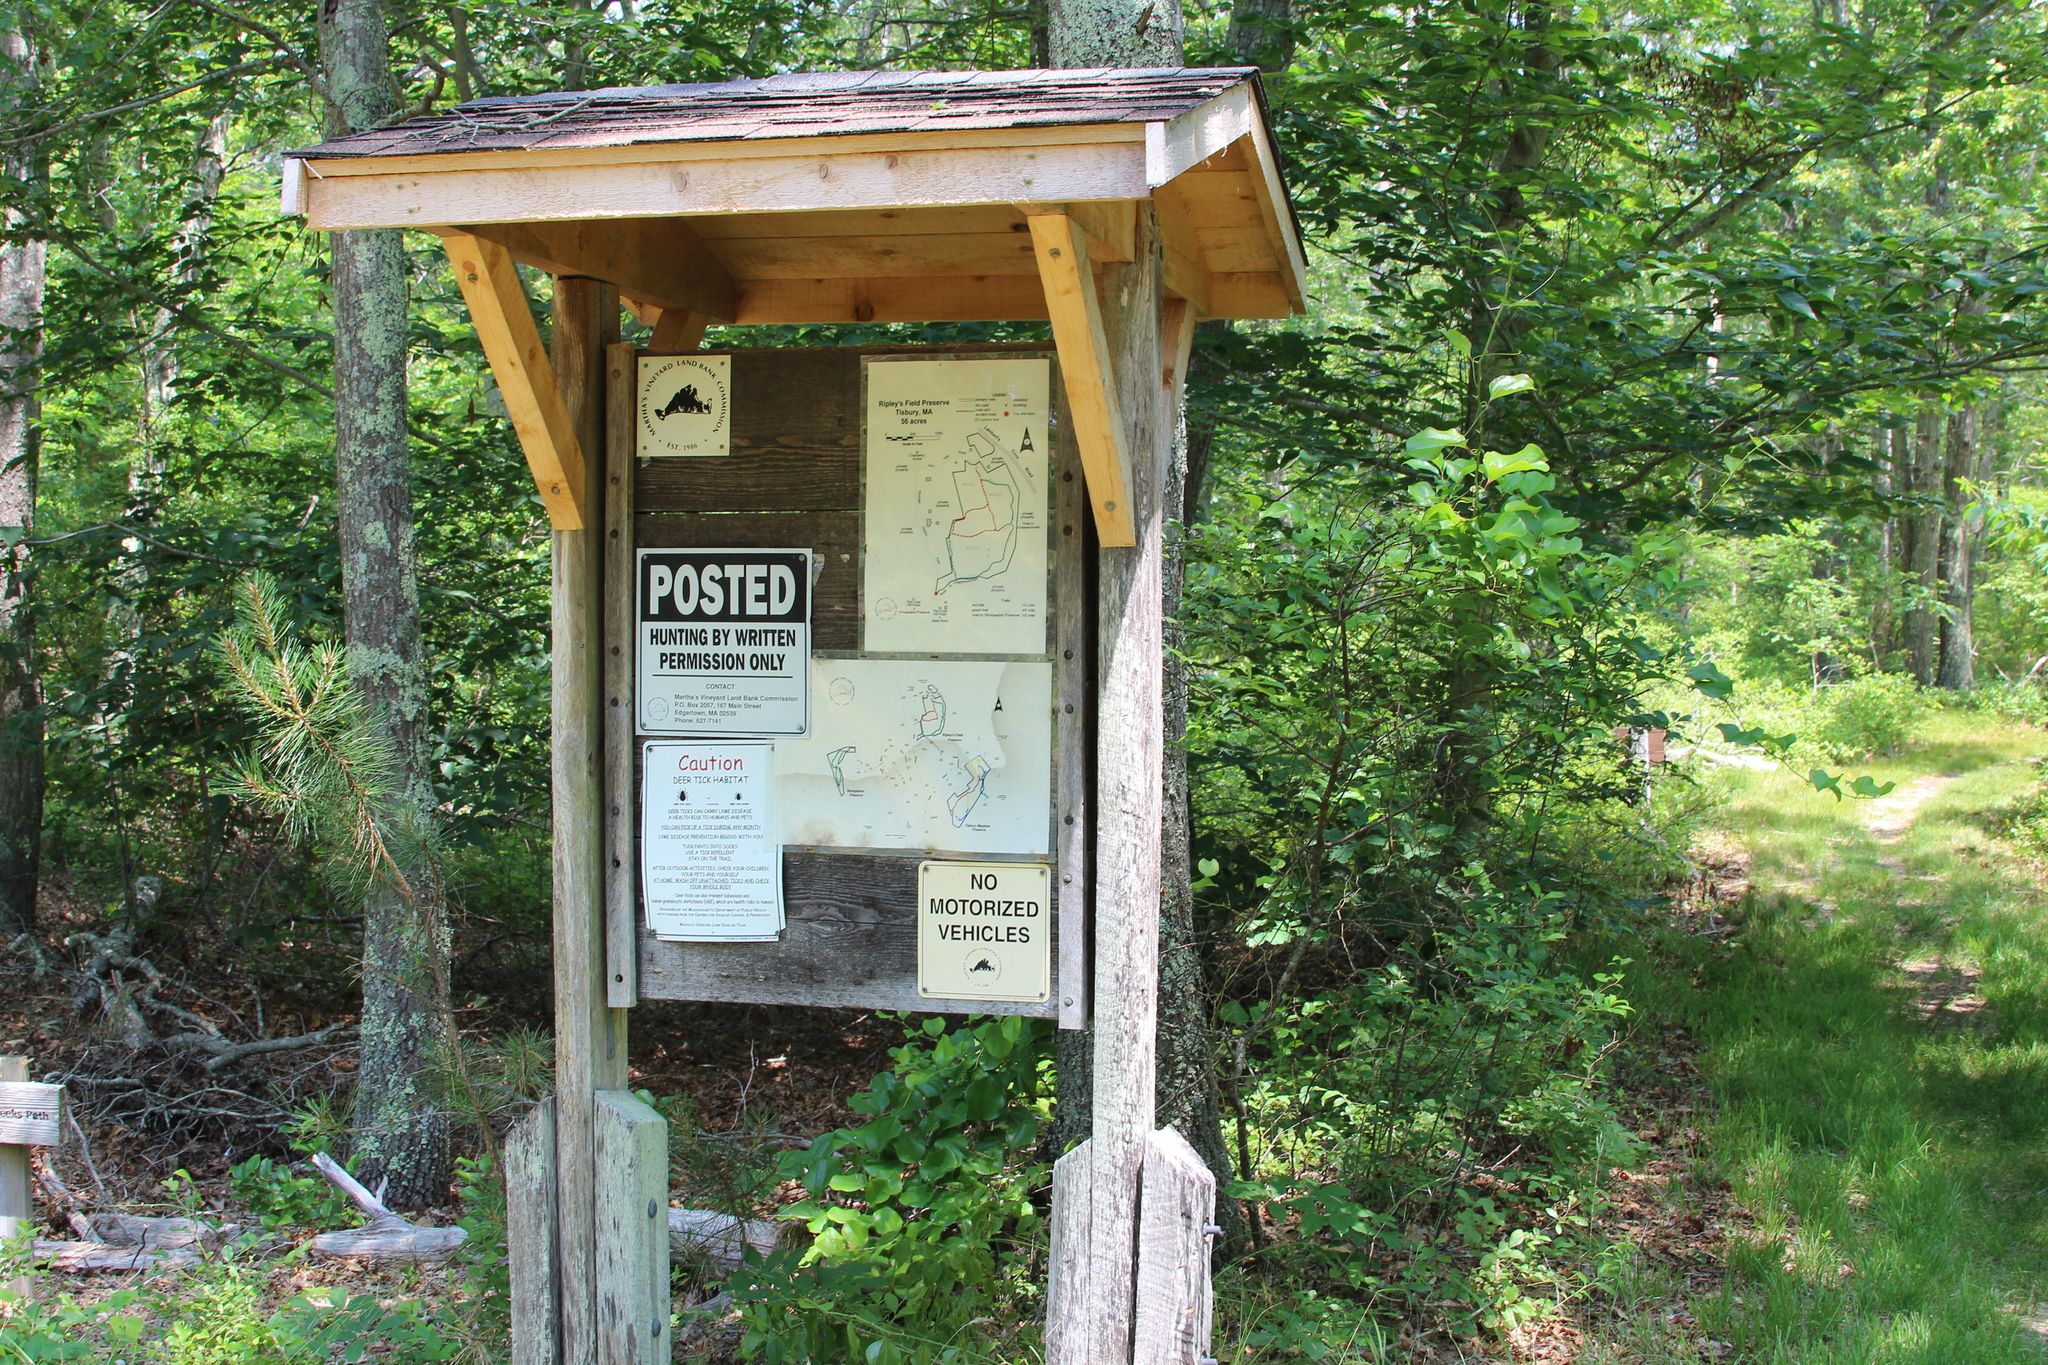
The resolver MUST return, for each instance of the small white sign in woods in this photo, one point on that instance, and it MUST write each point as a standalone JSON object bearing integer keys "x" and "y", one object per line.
{"x": 724, "y": 645}
{"x": 984, "y": 931}
{"x": 31, "y": 1114}
{"x": 685, "y": 405}
{"x": 710, "y": 866}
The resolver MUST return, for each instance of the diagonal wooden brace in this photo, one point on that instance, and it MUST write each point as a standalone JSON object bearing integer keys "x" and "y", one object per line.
{"x": 1076, "y": 312}
{"x": 504, "y": 323}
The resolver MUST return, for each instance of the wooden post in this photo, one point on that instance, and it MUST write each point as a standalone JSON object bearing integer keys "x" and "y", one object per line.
{"x": 531, "y": 1215}
{"x": 590, "y": 1037}
{"x": 1178, "y": 1207}
{"x": 632, "y": 1232}
{"x": 1090, "y": 1314}
{"x": 17, "y": 1200}
{"x": 621, "y": 870}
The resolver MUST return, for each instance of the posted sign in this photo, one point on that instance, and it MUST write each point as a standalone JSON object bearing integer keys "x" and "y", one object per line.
{"x": 984, "y": 931}
{"x": 724, "y": 642}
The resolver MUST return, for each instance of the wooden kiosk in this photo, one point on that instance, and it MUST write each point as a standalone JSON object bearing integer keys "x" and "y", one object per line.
{"x": 1121, "y": 206}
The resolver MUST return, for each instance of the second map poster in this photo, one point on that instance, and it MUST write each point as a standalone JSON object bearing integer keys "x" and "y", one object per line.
{"x": 958, "y": 474}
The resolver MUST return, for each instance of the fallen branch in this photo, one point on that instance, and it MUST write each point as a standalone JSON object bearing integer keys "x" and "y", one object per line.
{"x": 88, "y": 1258}
{"x": 719, "y": 1236}
{"x": 384, "y": 1236}
{"x": 158, "y": 1234}
{"x": 222, "y": 1053}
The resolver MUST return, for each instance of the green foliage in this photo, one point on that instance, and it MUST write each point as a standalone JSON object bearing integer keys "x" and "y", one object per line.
{"x": 921, "y": 1215}
{"x": 284, "y": 1198}
{"x": 321, "y": 764}
{"x": 215, "y": 1314}
{"x": 1869, "y": 717}
{"x": 1445, "y": 1118}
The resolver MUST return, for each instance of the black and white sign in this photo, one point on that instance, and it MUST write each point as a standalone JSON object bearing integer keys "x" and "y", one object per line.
{"x": 685, "y": 405}
{"x": 984, "y": 931}
{"x": 710, "y": 869}
{"x": 725, "y": 642}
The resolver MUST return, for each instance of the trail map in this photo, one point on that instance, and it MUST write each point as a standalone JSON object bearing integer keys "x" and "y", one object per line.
{"x": 946, "y": 755}
{"x": 958, "y": 474}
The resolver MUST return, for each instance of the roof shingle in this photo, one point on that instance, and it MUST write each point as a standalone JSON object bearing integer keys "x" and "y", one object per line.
{"x": 808, "y": 104}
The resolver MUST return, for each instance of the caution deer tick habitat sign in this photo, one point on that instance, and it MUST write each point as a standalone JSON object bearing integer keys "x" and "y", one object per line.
{"x": 724, "y": 645}
{"x": 984, "y": 931}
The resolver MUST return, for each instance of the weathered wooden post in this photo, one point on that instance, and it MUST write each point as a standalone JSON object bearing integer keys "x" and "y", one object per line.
{"x": 928, "y": 827}
{"x": 31, "y": 1115}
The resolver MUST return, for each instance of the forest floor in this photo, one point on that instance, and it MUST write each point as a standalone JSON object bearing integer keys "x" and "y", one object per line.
{"x": 1846, "y": 1059}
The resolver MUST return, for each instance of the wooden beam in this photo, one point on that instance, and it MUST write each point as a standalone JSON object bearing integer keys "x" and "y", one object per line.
{"x": 659, "y": 261}
{"x": 678, "y": 329}
{"x": 590, "y": 1037}
{"x": 1187, "y": 275}
{"x": 1276, "y": 215}
{"x": 1085, "y": 366}
{"x": 1176, "y": 344}
{"x": 621, "y": 864}
{"x": 978, "y": 298}
{"x": 645, "y": 313}
{"x": 1187, "y": 140}
{"x": 1108, "y": 226}
{"x": 808, "y": 179}
{"x": 504, "y": 323}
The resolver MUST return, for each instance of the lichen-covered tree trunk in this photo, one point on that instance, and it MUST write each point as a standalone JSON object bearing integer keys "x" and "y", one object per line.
{"x": 401, "y": 1129}
{"x": 22, "y": 278}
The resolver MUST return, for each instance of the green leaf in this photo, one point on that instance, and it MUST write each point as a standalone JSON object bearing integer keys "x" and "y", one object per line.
{"x": 1504, "y": 384}
{"x": 1796, "y": 301}
{"x": 1430, "y": 440}
{"x": 1529, "y": 459}
{"x": 1710, "y": 680}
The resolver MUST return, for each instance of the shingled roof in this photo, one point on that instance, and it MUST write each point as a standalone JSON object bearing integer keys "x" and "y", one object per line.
{"x": 805, "y": 105}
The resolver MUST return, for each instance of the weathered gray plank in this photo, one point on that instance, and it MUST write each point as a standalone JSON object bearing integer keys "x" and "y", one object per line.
{"x": 17, "y": 1199}
{"x": 1176, "y": 1206}
{"x": 1066, "y": 1330}
{"x": 851, "y": 941}
{"x": 31, "y": 1113}
{"x": 530, "y": 1235}
{"x": 632, "y": 1231}
{"x": 621, "y": 898}
{"x": 590, "y": 1037}
{"x": 835, "y": 536}
{"x": 1072, "y": 683}
{"x": 1129, "y": 723}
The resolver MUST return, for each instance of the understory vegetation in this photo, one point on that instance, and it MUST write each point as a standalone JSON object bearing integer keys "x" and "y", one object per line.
{"x": 1614, "y": 627}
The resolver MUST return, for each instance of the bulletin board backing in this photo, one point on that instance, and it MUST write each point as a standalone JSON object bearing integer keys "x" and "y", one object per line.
{"x": 795, "y": 478}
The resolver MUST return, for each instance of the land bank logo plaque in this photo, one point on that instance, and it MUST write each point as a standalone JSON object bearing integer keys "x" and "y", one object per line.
{"x": 984, "y": 931}
{"x": 724, "y": 642}
{"x": 685, "y": 405}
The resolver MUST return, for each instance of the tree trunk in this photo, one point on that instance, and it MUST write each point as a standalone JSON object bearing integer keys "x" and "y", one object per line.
{"x": 401, "y": 1131}
{"x": 22, "y": 278}
{"x": 1921, "y": 547}
{"x": 1965, "y": 465}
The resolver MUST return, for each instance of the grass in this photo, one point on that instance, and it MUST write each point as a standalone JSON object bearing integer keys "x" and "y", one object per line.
{"x": 1874, "y": 1036}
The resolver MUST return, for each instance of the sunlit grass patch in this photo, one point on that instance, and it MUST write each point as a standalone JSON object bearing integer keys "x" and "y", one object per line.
{"x": 1876, "y": 1037}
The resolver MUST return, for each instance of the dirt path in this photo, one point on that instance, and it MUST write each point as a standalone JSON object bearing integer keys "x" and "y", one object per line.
{"x": 1889, "y": 817}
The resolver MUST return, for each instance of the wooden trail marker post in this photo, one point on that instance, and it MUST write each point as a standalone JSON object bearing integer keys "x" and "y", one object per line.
{"x": 1117, "y": 206}
{"x": 31, "y": 1115}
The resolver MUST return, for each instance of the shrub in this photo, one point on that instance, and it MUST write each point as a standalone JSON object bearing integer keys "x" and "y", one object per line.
{"x": 1868, "y": 716}
{"x": 921, "y": 1216}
